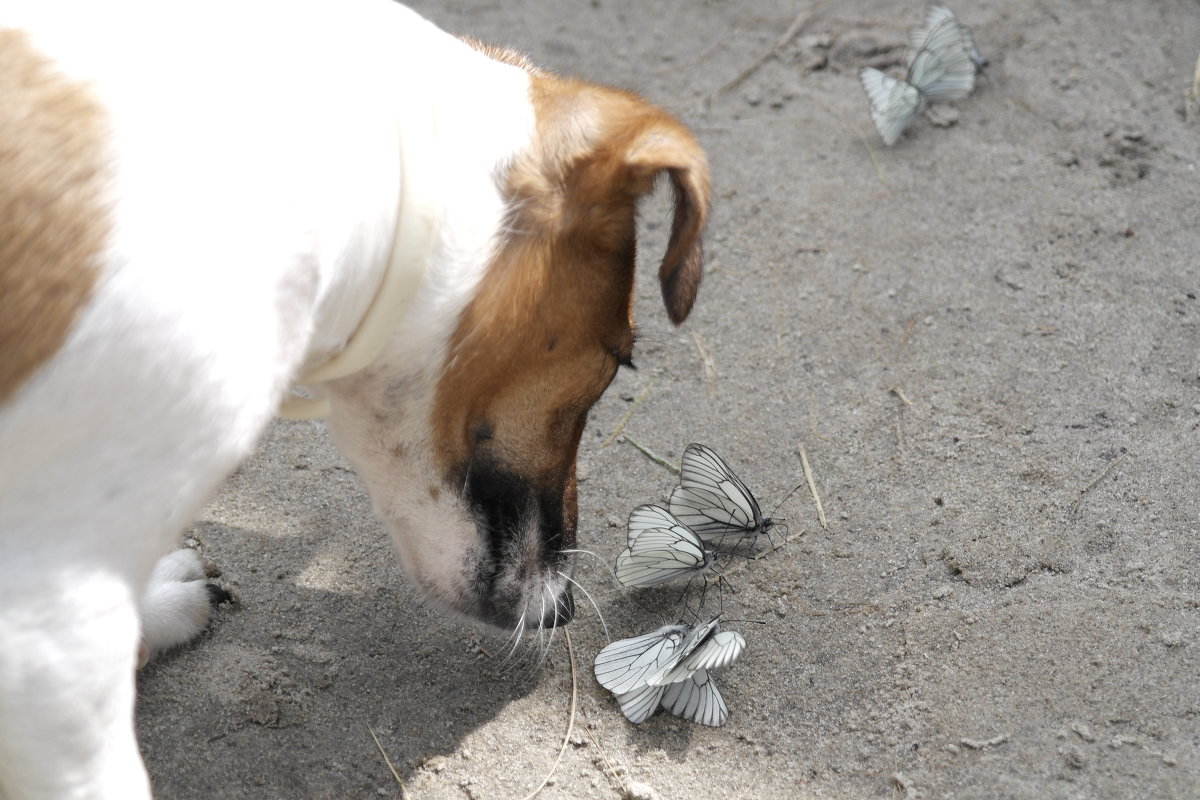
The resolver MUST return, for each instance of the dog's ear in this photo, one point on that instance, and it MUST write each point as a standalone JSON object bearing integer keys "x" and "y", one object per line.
{"x": 666, "y": 146}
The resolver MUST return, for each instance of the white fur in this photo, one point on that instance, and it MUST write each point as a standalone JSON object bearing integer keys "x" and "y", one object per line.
{"x": 255, "y": 196}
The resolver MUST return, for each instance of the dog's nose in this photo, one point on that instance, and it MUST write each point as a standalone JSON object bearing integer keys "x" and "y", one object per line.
{"x": 562, "y": 612}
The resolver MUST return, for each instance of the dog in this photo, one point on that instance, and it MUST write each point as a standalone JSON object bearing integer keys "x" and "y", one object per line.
{"x": 203, "y": 205}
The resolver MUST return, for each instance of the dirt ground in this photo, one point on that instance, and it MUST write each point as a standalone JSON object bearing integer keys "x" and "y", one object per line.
{"x": 987, "y": 340}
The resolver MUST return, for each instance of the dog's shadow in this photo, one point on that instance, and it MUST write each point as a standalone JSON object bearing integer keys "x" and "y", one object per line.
{"x": 324, "y": 646}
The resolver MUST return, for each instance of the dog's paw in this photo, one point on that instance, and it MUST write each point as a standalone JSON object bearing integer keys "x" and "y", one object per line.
{"x": 176, "y": 603}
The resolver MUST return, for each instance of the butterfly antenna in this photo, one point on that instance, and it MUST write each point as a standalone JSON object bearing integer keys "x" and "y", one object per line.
{"x": 588, "y": 595}
{"x": 786, "y": 497}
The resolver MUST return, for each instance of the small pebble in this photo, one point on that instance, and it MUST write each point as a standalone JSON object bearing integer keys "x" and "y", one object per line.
{"x": 641, "y": 791}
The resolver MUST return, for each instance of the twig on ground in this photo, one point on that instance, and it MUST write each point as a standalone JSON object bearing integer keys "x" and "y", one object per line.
{"x": 896, "y": 390}
{"x": 812, "y": 487}
{"x": 977, "y": 744}
{"x": 632, "y": 406}
{"x": 710, "y": 368}
{"x": 570, "y": 721}
{"x": 908, "y": 329}
{"x": 700, "y": 59}
{"x": 793, "y": 30}
{"x": 611, "y": 769}
{"x": 901, "y": 781}
{"x": 388, "y": 761}
{"x": 874, "y": 160}
{"x": 650, "y": 454}
{"x": 1111, "y": 466}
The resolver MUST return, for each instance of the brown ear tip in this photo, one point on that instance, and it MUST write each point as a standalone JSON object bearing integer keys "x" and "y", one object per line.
{"x": 679, "y": 287}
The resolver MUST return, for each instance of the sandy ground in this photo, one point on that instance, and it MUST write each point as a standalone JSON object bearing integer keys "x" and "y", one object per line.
{"x": 987, "y": 339}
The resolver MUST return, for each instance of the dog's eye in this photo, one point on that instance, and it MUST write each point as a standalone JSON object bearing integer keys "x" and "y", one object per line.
{"x": 482, "y": 431}
{"x": 623, "y": 359}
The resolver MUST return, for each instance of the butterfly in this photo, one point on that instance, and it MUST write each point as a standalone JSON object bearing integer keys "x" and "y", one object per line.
{"x": 670, "y": 667}
{"x": 712, "y": 501}
{"x": 935, "y": 16}
{"x": 661, "y": 549}
{"x": 940, "y": 68}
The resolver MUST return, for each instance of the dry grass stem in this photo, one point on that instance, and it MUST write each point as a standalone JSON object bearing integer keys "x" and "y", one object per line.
{"x": 792, "y": 32}
{"x": 1111, "y": 466}
{"x": 570, "y": 720}
{"x": 388, "y": 761}
{"x": 650, "y": 454}
{"x": 812, "y": 487}
{"x": 710, "y": 368}
{"x": 621, "y": 425}
{"x": 896, "y": 390}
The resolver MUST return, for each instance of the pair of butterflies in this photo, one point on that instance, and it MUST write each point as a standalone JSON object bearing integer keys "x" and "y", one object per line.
{"x": 710, "y": 505}
{"x": 670, "y": 668}
{"x": 941, "y": 67}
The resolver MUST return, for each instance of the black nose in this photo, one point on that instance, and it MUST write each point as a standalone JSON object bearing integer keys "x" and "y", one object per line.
{"x": 562, "y": 612}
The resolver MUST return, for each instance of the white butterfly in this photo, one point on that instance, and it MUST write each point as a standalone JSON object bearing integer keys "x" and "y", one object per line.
{"x": 712, "y": 500}
{"x": 670, "y": 666}
{"x": 660, "y": 549}
{"x": 941, "y": 67}
{"x": 935, "y": 16}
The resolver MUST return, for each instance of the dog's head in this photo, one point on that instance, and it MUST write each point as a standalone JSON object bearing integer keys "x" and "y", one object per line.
{"x": 473, "y": 464}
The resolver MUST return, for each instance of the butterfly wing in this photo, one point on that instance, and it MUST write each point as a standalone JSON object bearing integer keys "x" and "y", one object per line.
{"x": 942, "y": 68}
{"x": 623, "y": 665}
{"x": 659, "y": 555}
{"x": 640, "y": 704}
{"x": 716, "y": 651}
{"x": 711, "y": 499}
{"x": 697, "y": 699}
{"x": 649, "y": 517}
{"x": 894, "y": 103}
{"x": 935, "y": 16}
{"x": 689, "y": 642}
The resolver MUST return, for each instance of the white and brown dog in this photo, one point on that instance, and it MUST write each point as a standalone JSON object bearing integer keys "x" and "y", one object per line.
{"x": 202, "y": 204}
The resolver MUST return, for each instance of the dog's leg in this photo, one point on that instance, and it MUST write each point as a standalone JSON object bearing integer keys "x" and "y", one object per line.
{"x": 175, "y": 605}
{"x": 67, "y": 672}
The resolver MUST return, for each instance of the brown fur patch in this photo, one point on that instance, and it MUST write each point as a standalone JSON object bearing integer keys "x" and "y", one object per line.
{"x": 53, "y": 222}
{"x": 541, "y": 339}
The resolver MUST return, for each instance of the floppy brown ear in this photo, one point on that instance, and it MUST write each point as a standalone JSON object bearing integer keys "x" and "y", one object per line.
{"x": 667, "y": 146}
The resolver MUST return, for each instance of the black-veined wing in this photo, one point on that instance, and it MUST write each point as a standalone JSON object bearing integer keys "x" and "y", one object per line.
{"x": 894, "y": 103}
{"x": 712, "y": 500}
{"x": 659, "y": 555}
{"x": 697, "y": 699}
{"x": 624, "y": 665}
{"x": 935, "y": 16}
{"x": 640, "y": 704}
{"x": 692, "y": 639}
{"x": 718, "y": 649}
{"x": 942, "y": 68}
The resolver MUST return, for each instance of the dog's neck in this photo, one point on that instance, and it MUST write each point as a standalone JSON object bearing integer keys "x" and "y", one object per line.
{"x": 402, "y": 280}
{"x": 419, "y": 209}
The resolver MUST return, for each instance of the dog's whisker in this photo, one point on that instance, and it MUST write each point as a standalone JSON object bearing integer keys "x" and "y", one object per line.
{"x": 590, "y": 599}
{"x": 603, "y": 562}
